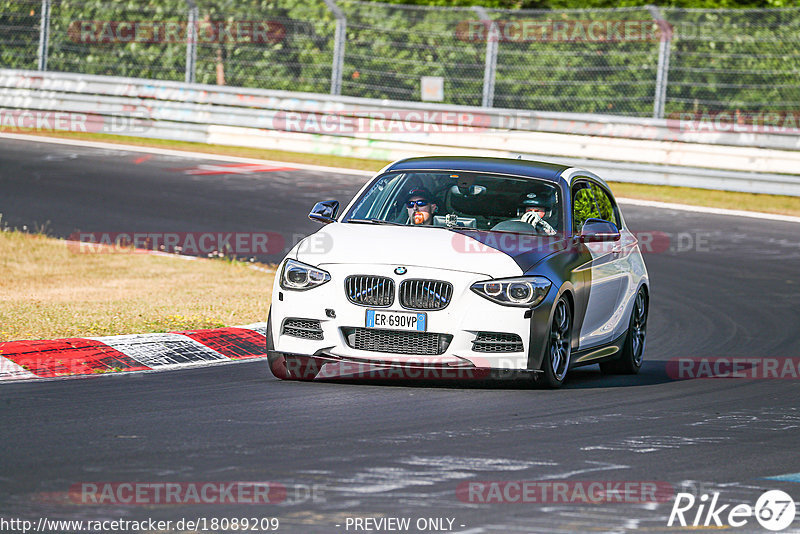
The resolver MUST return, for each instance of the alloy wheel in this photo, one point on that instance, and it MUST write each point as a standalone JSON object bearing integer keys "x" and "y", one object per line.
{"x": 560, "y": 341}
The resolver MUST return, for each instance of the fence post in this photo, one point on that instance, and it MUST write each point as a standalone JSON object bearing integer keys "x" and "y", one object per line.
{"x": 662, "y": 73}
{"x": 44, "y": 35}
{"x": 191, "y": 42}
{"x": 490, "y": 64}
{"x": 339, "y": 38}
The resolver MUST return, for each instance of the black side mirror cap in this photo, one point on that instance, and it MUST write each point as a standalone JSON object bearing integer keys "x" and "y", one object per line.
{"x": 597, "y": 230}
{"x": 324, "y": 212}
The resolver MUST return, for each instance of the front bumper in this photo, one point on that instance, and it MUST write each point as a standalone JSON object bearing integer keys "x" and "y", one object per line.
{"x": 322, "y": 367}
{"x": 467, "y": 315}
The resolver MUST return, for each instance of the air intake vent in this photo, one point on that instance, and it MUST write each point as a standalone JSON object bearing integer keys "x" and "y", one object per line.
{"x": 497, "y": 342}
{"x": 425, "y": 294}
{"x": 397, "y": 342}
{"x": 366, "y": 290}
{"x": 304, "y": 328}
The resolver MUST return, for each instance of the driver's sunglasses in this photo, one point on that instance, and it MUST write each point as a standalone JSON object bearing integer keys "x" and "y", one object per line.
{"x": 418, "y": 203}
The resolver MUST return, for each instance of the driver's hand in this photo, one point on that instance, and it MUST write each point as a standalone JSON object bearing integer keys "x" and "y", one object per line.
{"x": 532, "y": 218}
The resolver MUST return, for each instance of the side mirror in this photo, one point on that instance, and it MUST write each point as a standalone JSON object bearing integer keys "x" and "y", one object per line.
{"x": 324, "y": 212}
{"x": 596, "y": 230}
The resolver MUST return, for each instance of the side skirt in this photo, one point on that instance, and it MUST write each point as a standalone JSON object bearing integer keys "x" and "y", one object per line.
{"x": 609, "y": 351}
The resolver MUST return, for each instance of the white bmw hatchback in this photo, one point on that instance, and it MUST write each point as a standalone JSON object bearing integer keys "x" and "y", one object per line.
{"x": 455, "y": 267}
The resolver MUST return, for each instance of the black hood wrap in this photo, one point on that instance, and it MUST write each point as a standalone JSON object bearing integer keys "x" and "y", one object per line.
{"x": 525, "y": 249}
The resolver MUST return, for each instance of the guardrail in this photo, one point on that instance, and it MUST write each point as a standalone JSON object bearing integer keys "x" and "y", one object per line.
{"x": 653, "y": 151}
{"x": 641, "y": 61}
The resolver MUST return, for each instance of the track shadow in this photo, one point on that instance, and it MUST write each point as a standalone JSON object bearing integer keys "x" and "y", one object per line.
{"x": 652, "y": 373}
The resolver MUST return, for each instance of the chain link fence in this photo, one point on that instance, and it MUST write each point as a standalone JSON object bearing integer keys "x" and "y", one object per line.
{"x": 637, "y": 61}
{"x": 734, "y": 60}
{"x": 578, "y": 61}
{"x": 20, "y": 28}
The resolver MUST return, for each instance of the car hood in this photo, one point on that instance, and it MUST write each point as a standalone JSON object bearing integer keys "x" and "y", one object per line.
{"x": 495, "y": 254}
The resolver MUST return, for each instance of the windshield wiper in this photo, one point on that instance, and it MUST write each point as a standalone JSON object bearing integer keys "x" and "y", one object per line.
{"x": 375, "y": 221}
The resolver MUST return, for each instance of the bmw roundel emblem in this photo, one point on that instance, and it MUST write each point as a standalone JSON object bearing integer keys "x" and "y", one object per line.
{"x": 401, "y": 271}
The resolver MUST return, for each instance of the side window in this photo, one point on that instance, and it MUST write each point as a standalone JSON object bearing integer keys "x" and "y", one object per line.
{"x": 605, "y": 206}
{"x": 583, "y": 205}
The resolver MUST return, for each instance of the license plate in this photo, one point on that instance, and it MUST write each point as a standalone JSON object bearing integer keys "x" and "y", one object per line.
{"x": 394, "y": 320}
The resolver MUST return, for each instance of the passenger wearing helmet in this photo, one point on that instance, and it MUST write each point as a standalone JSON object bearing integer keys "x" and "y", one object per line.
{"x": 536, "y": 209}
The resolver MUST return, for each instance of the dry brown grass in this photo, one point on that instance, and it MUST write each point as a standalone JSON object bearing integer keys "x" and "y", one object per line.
{"x": 50, "y": 291}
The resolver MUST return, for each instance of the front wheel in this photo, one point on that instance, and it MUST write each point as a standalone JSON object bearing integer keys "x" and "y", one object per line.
{"x": 630, "y": 361}
{"x": 559, "y": 346}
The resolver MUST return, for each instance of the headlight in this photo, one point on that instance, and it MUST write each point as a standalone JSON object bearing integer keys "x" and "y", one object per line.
{"x": 298, "y": 276}
{"x": 525, "y": 291}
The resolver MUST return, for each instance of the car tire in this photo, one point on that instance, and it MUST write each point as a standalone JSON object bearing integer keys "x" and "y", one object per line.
{"x": 559, "y": 346}
{"x": 630, "y": 361}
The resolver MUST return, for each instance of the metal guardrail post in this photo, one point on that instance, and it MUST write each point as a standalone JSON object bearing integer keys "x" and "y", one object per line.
{"x": 339, "y": 38}
{"x": 191, "y": 42}
{"x": 44, "y": 35}
{"x": 490, "y": 65}
{"x": 662, "y": 74}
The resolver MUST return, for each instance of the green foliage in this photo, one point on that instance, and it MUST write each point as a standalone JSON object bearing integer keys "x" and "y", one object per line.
{"x": 720, "y": 59}
{"x": 584, "y": 208}
{"x": 604, "y": 208}
{"x": 19, "y": 33}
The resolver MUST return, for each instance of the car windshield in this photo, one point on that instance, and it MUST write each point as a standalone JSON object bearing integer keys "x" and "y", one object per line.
{"x": 461, "y": 199}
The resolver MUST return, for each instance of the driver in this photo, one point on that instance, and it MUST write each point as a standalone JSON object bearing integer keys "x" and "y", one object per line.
{"x": 536, "y": 209}
{"x": 420, "y": 206}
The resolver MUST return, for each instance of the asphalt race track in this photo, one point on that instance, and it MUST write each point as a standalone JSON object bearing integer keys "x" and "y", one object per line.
{"x": 727, "y": 286}
{"x": 69, "y": 189}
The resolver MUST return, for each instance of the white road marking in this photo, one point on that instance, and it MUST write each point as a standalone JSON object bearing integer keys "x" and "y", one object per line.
{"x": 602, "y": 466}
{"x": 647, "y": 444}
{"x": 356, "y": 172}
{"x": 181, "y": 153}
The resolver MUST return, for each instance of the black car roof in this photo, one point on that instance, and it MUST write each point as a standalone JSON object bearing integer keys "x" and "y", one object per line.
{"x": 517, "y": 167}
